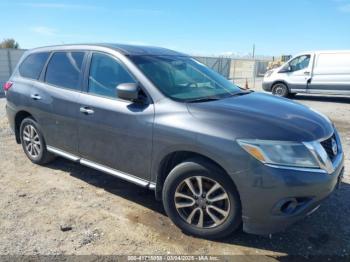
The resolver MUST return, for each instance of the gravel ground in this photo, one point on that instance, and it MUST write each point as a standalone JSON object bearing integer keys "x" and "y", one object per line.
{"x": 65, "y": 208}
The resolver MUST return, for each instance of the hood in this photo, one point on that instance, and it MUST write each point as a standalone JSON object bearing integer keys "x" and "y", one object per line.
{"x": 261, "y": 116}
{"x": 276, "y": 69}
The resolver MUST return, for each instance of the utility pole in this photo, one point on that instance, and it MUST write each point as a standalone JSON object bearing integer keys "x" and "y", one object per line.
{"x": 254, "y": 71}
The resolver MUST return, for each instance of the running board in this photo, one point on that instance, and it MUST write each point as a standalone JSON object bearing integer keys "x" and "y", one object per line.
{"x": 102, "y": 168}
{"x": 320, "y": 91}
{"x": 62, "y": 153}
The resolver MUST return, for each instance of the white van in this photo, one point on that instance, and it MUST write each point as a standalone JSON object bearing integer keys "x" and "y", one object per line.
{"x": 316, "y": 72}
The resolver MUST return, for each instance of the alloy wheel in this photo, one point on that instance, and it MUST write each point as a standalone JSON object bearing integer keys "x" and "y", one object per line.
{"x": 202, "y": 202}
{"x": 279, "y": 90}
{"x": 32, "y": 142}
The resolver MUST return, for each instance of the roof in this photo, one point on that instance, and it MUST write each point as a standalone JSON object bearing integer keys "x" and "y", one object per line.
{"x": 141, "y": 50}
{"x": 322, "y": 52}
{"x": 125, "y": 49}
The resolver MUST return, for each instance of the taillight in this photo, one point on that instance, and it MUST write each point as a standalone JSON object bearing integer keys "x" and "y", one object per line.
{"x": 7, "y": 86}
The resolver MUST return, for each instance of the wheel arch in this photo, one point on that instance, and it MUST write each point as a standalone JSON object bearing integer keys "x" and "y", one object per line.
{"x": 173, "y": 159}
{"x": 280, "y": 82}
{"x": 20, "y": 115}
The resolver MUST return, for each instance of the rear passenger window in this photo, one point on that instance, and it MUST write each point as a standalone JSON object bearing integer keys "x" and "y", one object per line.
{"x": 105, "y": 74}
{"x": 33, "y": 65}
{"x": 64, "y": 69}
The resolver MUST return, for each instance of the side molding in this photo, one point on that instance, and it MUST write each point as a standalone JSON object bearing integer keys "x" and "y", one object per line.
{"x": 62, "y": 153}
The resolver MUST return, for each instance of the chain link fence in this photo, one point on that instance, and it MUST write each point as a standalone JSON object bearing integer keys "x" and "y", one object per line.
{"x": 243, "y": 72}
{"x": 221, "y": 65}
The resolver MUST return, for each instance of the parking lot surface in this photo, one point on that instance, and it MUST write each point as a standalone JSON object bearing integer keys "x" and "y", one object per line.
{"x": 65, "y": 208}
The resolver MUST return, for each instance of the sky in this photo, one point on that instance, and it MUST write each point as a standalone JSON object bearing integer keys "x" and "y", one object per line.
{"x": 201, "y": 27}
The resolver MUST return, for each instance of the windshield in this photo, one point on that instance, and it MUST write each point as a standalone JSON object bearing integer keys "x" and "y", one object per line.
{"x": 183, "y": 78}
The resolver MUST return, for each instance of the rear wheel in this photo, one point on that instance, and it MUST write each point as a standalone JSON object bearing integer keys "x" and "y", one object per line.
{"x": 33, "y": 142}
{"x": 202, "y": 200}
{"x": 280, "y": 89}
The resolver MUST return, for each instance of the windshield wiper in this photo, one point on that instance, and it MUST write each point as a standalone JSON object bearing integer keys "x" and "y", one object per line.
{"x": 214, "y": 98}
{"x": 203, "y": 99}
{"x": 245, "y": 92}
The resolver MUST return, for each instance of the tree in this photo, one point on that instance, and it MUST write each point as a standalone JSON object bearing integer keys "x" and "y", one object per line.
{"x": 9, "y": 43}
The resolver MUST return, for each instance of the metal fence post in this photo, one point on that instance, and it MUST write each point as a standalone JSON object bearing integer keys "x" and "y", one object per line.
{"x": 9, "y": 61}
{"x": 254, "y": 72}
{"x": 234, "y": 70}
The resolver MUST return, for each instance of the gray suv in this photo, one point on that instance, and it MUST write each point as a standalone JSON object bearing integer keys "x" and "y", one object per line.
{"x": 216, "y": 155}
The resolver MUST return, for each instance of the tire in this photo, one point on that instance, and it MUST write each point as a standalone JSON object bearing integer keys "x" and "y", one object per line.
{"x": 175, "y": 186}
{"x": 33, "y": 142}
{"x": 280, "y": 89}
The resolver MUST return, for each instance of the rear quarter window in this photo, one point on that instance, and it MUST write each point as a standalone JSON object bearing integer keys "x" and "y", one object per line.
{"x": 33, "y": 64}
{"x": 64, "y": 69}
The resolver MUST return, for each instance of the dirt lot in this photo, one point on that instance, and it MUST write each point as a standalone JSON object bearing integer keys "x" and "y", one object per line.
{"x": 65, "y": 208}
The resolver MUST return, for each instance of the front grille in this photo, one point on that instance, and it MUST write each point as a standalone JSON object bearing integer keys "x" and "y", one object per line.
{"x": 327, "y": 145}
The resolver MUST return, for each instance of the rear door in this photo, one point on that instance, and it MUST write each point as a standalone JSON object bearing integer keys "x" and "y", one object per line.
{"x": 57, "y": 99}
{"x": 26, "y": 85}
{"x": 300, "y": 72}
{"x": 331, "y": 73}
{"x": 112, "y": 132}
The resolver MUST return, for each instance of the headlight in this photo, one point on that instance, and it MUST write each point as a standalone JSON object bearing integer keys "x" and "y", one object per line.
{"x": 280, "y": 153}
{"x": 268, "y": 73}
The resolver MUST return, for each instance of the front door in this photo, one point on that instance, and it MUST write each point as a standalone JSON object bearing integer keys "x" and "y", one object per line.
{"x": 112, "y": 132}
{"x": 299, "y": 72}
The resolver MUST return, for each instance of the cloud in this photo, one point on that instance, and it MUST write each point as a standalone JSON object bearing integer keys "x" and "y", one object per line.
{"x": 52, "y": 32}
{"x": 68, "y": 6}
{"x": 228, "y": 53}
{"x": 140, "y": 11}
{"x": 344, "y": 8}
{"x": 55, "y": 5}
{"x": 58, "y": 5}
{"x": 343, "y": 5}
{"x": 44, "y": 30}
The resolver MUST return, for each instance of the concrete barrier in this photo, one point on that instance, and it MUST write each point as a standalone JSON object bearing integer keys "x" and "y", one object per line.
{"x": 8, "y": 61}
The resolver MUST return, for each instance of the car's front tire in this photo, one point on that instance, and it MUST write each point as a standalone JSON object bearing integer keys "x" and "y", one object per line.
{"x": 202, "y": 200}
{"x": 280, "y": 89}
{"x": 33, "y": 142}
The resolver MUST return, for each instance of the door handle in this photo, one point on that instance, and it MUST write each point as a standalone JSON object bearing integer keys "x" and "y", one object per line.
{"x": 86, "y": 110}
{"x": 307, "y": 73}
{"x": 35, "y": 97}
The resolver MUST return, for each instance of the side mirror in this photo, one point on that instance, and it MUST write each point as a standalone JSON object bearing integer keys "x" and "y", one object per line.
{"x": 286, "y": 69}
{"x": 128, "y": 91}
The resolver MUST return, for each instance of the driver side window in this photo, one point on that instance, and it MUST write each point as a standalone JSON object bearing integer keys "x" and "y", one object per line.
{"x": 299, "y": 63}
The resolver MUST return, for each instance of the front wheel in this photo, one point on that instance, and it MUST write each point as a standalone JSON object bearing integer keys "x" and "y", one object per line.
{"x": 280, "y": 89}
{"x": 202, "y": 200}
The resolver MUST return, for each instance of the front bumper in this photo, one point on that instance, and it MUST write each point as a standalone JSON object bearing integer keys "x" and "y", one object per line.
{"x": 276, "y": 198}
{"x": 267, "y": 86}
